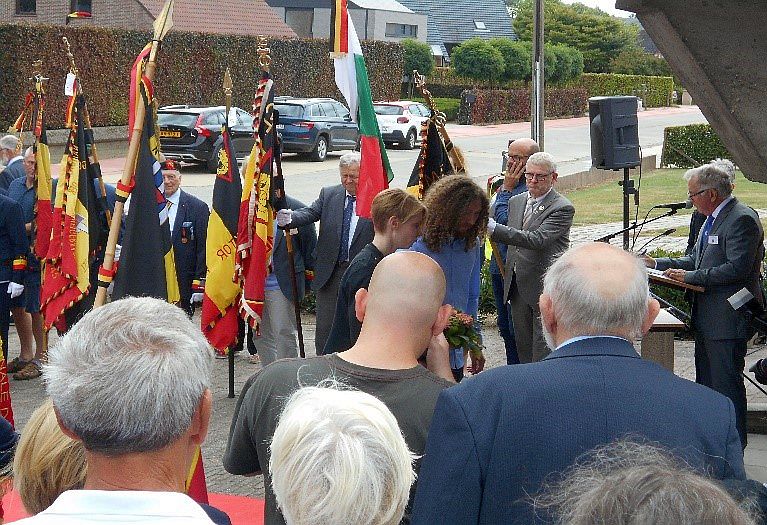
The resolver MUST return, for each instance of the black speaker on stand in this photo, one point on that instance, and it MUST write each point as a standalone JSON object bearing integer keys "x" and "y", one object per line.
{"x": 614, "y": 130}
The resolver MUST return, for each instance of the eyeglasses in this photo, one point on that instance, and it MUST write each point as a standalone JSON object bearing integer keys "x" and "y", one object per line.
{"x": 691, "y": 195}
{"x": 536, "y": 176}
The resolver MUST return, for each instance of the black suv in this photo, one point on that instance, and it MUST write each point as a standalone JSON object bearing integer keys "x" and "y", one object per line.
{"x": 193, "y": 134}
{"x": 315, "y": 126}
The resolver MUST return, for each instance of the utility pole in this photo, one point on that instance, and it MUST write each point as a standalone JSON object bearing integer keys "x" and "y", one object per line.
{"x": 536, "y": 100}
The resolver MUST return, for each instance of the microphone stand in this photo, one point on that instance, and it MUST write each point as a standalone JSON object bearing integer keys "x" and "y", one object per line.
{"x": 607, "y": 238}
{"x": 662, "y": 234}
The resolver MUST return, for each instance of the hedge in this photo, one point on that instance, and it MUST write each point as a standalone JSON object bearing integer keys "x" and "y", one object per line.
{"x": 512, "y": 105}
{"x": 654, "y": 91}
{"x": 190, "y": 68}
{"x": 448, "y": 106}
{"x": 690, "y": 146}
{"x": 445, "y": 82}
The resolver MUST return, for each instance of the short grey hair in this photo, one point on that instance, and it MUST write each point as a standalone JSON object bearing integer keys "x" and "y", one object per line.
{"x": 544, "y": 160}
{"x": 349, "y": 159}
{"x": 129, "y": 376}
{"x": 10, "y": 142}
{"x": 29, "y": 151}
{"x": 727, "y": 166}
{"x": 338, "y": 456}
{"x": 626, "y": 483}
{"x": 583, "y": 309}
{"x": 710, "y": 176}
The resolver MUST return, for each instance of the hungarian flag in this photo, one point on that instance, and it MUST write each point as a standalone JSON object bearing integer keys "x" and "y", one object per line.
{"x": 146, "y": 266}
{"x": 432, "y": 163}
{"x": 43, "y": 222}
{"x": 220, "y": 304}
{"x": 352, "y": 81}
{"x": 255, "y": 235}
{"x": 77, "y": 225}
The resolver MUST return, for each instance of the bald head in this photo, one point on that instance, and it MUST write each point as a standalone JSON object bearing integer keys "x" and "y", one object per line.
{"x": 406, "y": 291}
{"x": 523, "y": 148}
{"x": 598, "y": 289}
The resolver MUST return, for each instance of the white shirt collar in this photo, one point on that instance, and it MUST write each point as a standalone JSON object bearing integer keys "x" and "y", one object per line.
{"x": 175, "y": 197}
{"x": 14, "y": 159}
{"x": 536, "y": 200}
{"x": 582, "y": 337}
{"x": 721, "y": 206}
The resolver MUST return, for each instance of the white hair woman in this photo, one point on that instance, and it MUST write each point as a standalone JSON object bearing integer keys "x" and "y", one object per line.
{"x": 338, "y": 457}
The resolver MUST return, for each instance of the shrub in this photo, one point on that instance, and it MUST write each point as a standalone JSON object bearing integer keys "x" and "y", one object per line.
{"x": 418, "y": 56}
{"x": 639, "y": 62}
{"x": 448, "y": 106}
{"x": 569, "y": 63}
{"x": 517, "y": 58}
{"x": 445, "y": 82}
{"x": 513, "y": 105}
{"x": 190, "y": 68}
{"x": 478, "y": 60}
{"x": 690, "y": 146}
{"x": 654, "y": 91}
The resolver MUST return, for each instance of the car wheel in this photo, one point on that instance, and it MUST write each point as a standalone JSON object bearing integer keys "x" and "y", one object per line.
{"x": 409, "y": 142}
{"x": 320, "y": 151}
{"x": 213, "y": 160}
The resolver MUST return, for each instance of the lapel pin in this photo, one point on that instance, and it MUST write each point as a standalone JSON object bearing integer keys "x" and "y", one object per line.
{"x": 540, "y": 208}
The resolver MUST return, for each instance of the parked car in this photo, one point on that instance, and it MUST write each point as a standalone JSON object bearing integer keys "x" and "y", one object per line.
{"x": 400, "y": 122}
{"x": 315, "y": 126}
{"x": 193, "y": 134}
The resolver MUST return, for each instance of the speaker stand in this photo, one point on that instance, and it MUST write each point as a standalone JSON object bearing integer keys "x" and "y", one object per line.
{"x": 628, "y": 190}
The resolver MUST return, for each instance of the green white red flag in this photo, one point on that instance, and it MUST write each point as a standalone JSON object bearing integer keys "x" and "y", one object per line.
{"x": 352, "y": 80}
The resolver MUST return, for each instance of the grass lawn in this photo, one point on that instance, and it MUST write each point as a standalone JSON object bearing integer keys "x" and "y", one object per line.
{"x": 604, "y": 203}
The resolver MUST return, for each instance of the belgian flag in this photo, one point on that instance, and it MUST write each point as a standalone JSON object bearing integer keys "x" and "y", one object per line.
{"x": 43, "y": 223}
{"x": 433, "y": 161}
{"x": 78, "y": 226}
{"x": 146, "y": 266}
{"x": 222, "y": 290}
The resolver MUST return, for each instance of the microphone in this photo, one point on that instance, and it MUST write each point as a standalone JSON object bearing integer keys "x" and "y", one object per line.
{"x": 686, "y": 205}
{"x": 663, "y": 234}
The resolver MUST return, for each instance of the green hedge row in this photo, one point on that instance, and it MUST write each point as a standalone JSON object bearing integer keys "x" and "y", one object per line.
{"x": 445, "y": 82}
{"x": 513, "y": 105}
{"x": 190, "y": 68}
{"x": 448, "y": 106}
{"x": 654, "y": 91}
{"x": 690, "y": 146}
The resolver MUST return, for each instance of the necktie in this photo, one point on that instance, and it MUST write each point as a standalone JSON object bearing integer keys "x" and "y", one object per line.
{"x": 706, "y": 229}
{"x": 528, "y": 212}
{"x": 345, "y": 227}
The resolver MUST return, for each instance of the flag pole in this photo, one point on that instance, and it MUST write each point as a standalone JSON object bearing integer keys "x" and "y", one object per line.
{"x": 87, "y": 120}
{"x": 228, "y": 86}
{"x": 162, "y": 25}
{"x": 439, "y": 119}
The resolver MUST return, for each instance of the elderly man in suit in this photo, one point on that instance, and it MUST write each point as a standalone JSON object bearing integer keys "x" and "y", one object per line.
{"x": 188, "y": 219}
{"x": 10, "y": 148}
{"x": 506, "y": 430}
{"x": 537, "y": 231}
{"x": 726, "y": 258}
{"x": 342, "y": 235}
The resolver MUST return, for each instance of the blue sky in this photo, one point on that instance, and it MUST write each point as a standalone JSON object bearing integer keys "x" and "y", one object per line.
{"x": 605, "y": 5}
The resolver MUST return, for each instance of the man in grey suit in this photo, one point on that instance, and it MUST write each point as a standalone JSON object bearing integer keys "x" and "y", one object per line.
{"x": 342, "y": 235}
{"x": 537, "y": 232}
{"x": 726, "y": 258}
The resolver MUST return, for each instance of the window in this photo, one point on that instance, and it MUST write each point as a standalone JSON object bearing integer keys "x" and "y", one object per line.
{"x": 426, "y": 112}
{"x": 26, "y": 7}
{"x": 480, "y": 25}
{"x": 341, "y": 110}
{"x": 300, "y": 21}
{"x": 401, "y": 31}
{"x": 76, "y": 6}
{"x": 316, "y": 111}
{"x": 329, "y": 109}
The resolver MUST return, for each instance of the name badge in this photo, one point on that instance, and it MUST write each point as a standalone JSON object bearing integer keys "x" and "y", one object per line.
{"x": 713, "y": 239}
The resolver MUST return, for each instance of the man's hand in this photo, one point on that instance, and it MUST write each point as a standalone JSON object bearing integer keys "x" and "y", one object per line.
{"x": 491, "y": 225}
{"x": 195, "y": 298}
{"x": 477, "y": 363}
{"x": 15, "y": 290}
{"x": 284, "y": 217}
{"x": 515, "y": 170}
{"x": 118, "y": 251}
{"x": 438, "y": 358}
{"x": 676, "y": 274}
{"x": 648, "y": 261}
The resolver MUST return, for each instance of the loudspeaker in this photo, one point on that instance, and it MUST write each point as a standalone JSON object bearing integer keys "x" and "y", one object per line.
{"x": 614, "y": 132}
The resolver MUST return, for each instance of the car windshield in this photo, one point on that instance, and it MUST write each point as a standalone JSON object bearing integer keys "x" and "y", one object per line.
{"x": 184, "y": 120}
{"x": 290, "y": 110}
{"x": 387, "y": 109}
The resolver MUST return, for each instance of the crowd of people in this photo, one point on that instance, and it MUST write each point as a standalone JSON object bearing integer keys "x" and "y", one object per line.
{"x": 389, "y": 423}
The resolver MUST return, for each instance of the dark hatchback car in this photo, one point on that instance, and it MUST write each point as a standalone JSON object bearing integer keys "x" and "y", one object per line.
{"x": 315, "y": 126}
{"x": 193, "y": 134}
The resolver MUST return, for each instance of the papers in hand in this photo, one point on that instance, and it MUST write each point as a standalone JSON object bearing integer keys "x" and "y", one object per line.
{"x": 654, "y": 272}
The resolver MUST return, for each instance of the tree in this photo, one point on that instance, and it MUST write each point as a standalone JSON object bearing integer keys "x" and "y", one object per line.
{"x": 517, "y": 58}
{"x": 638, "y": 62}
{"x": 478, "y": 60}
{"x": 569, "y": 63}
{"x": 418, "y": 56}
{"x": 596, "y": 34}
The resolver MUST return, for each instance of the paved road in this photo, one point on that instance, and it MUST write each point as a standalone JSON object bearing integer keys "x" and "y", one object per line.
{"x": 567, "y": 139}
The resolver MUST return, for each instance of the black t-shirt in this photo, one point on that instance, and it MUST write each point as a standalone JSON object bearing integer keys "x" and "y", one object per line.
{"x": 410, "y": 394}
{"x": 346, "y": 327}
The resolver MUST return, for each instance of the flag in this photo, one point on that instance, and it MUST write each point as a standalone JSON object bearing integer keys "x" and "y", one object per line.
{"x": 77, "y": 226}
{"x": 146, "y": 266}
{"x": 352, "y": 80}
{"x": 255, "y": 235}
{"x": 195, "y": 485}
{"x": 220, "y": 304}
{"x": 43, "y": 221}
{"x": 80, "y": 14}
{"x": 6, "y": 409}
{"x": 432, "y": 162}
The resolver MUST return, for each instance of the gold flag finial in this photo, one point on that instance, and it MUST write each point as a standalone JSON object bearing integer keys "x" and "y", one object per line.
{"x": 264, "y": 58}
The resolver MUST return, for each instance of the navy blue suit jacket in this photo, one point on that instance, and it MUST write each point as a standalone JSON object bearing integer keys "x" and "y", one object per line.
{"x": 495, "y": 437}
{"x": 13, "y": 171}
{"x": 189, "y": 233}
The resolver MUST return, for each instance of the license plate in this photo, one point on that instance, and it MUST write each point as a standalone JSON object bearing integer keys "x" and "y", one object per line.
{"x": 280, "y": 126}
{"x": 385, "y": 129}
{"x": 170, "y": 134}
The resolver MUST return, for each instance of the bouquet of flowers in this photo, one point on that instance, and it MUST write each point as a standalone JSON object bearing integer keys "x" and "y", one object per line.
{"x": 460, "y": 333}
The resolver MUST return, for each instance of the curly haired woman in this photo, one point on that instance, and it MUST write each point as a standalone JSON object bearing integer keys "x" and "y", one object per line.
{"x": 456, "y": 220}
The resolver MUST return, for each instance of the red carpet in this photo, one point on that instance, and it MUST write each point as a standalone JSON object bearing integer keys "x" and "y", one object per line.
{"x": 241, "y": 510}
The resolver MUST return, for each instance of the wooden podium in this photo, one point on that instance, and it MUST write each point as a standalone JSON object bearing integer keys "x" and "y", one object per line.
{"x": 658, "y": 343}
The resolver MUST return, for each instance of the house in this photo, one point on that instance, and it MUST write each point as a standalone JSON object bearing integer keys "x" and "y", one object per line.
{"x": 451, "y": 23}
{"x": 373, "y": 19}
{"x": 238, "y": 17}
